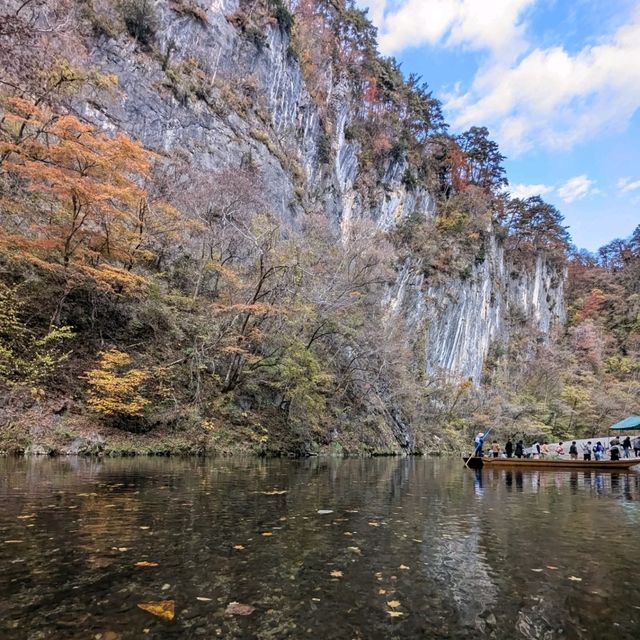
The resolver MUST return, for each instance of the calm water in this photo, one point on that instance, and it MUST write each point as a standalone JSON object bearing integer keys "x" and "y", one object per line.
{"x": 455, "y": 553}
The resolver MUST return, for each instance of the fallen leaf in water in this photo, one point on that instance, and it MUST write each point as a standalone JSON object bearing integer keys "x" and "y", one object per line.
{"x": 266, "y": 534}
{"x": 238, "y": 547}
{"x": 373, "y": 524}
{"x": 13, "y": 541}
{"x": 203, "y": 599}
{"x": 394, "y": 604}
{"x": 316, "y": 599}
{"x": 336, "y": 573}
{"x": 416, "y": 540}
{"x": 575, "y": 579}
{"x": 144, "y": 528}
{"x": 120, "y": 548}
{"x": 551, "y": 567}
{"x": 382, "y": 592}
{"x": 355, "y": 550}
{"x": 166, "y": 586}
{"x": 395, "y": 614}
{"x": 348, "y": 533}
{"x": 237, "y": 609}
{"x": 404, "y": 567}
{"x": 274, "y": 492}
{"x": 537, "y": 570}
{"x": 33, "y": 515}
{"x": 324, "y": 512}
{"x": 146, "y": 563}
{"x": 165, "y": 609}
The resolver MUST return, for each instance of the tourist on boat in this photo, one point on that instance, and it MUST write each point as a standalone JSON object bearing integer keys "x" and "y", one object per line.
{"x": 636, "y": 446}
{"x": 626, "y": 447}
{"x": 544, "y": 450}
{"x": 614, "y": 449}
{"x": 508, "y": 448}
{"x": 535, "y": 450}
{"x": 519, "y": 449}
{"x": 560, "y": 449}
{"x": 586, "y": 450}
{"x": 598, "y": 451}
{"x": 495, "y": 449}
{"x": 573, "y": 451}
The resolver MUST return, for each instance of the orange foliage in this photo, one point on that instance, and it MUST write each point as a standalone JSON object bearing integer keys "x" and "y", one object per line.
{"x": 77, "y": 207}
{"x": 591, "y": 305}
{"x": 371, "y": 91}
{"x": 458, "y": 166}
{"x": 314, "y": 39}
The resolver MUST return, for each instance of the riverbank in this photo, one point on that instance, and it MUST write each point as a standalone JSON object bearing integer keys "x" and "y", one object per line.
{"x": 60, "y": 427}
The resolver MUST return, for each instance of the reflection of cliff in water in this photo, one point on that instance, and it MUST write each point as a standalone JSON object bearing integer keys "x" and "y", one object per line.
{"x": 455, "y": 560}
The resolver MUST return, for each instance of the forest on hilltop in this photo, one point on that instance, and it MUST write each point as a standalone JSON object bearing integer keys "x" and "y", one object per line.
{"x": 166, "y": 306}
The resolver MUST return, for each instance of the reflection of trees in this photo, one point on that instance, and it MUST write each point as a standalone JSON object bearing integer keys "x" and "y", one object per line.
{"x": 555, "y": 520}
{"x": 470, "y": 557}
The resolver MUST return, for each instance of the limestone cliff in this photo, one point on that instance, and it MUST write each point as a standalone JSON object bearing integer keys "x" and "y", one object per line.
{"x": 224, "y": 100}
{"x": 303, "y": 108}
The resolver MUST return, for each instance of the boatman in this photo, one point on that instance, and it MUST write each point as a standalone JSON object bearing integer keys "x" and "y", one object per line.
{"x": 479, "y": 439}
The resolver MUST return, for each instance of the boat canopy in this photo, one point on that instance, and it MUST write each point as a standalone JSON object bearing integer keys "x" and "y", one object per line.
{"x": 632, "y": 422}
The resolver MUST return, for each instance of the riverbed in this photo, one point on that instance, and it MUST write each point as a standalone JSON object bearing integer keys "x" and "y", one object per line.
{"x": 318, "y": 548}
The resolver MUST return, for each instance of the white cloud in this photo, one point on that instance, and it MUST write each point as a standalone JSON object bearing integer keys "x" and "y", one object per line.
{"x": 553, "y": 98}
{"x": 576, "y": 189}
{"x": 626, "y": 185}
{"x": 528, "y": 97}
{"x": 493, "y": 25}
{"x": 376, "y": 10}
{"x": 524, "y": 191}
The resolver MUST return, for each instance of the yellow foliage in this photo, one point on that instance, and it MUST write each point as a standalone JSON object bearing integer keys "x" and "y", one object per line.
{"x": 26, "y": 357}
{"x": 165, "y": 609}
{"x": 113, "y": 388}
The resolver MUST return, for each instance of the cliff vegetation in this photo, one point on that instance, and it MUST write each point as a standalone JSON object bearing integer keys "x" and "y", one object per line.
{"x": 236, "y": 226}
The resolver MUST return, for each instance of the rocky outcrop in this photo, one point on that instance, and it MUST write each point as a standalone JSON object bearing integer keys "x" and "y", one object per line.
{"x": 224, "y": 101}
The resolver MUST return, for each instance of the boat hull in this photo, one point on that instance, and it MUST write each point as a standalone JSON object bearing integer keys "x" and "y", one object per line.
{"x": 531, "y": 463}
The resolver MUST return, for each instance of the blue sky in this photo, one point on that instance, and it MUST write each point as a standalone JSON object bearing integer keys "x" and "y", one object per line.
{"x": 557, "y": 82}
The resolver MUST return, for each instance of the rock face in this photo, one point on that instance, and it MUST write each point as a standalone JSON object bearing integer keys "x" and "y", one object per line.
{"x": 466, "y": 317}
{"x": 224, "y": 101}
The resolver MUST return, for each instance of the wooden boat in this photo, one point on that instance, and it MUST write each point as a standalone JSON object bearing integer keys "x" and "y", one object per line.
{"x": 623, "y": 464}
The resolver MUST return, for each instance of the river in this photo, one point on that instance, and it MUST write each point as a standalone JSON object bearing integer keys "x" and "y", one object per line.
{"x": 320, "y": 548}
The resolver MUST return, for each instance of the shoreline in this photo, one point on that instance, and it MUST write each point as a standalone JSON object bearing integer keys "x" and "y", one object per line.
{"x": 54, "y": 440}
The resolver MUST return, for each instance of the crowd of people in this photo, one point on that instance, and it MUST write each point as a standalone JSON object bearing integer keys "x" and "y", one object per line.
{"x": 615, "y": 449}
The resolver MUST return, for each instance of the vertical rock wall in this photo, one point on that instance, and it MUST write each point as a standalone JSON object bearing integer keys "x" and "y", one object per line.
{"x": 258, "y": 108}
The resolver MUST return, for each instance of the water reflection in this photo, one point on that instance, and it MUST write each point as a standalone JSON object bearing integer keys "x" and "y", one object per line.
{"x": 458, "y": 554}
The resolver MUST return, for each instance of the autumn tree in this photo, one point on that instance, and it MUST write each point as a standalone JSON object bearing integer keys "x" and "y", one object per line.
{"x": 28, "y": 356}
{"x": 75, "y": 206}
{"x": 115, "y": 387}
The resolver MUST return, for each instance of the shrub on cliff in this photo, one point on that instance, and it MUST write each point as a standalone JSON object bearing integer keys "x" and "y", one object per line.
{"x": 140, "y": 19}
